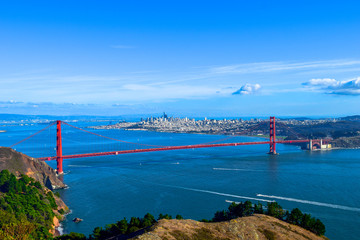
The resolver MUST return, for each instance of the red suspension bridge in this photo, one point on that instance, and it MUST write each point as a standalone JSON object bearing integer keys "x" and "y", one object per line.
{"x": 133, "y": 147}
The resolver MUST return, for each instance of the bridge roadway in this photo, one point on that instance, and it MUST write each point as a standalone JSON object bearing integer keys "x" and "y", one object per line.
{"x": 168, "y": 148}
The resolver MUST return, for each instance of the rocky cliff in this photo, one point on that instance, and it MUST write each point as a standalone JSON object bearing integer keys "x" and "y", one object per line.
{"x": 19, "y": 163}
{"x": 260, "y": 227}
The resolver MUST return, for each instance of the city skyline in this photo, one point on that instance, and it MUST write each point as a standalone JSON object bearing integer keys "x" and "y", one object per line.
{"x": 186, "y": 58}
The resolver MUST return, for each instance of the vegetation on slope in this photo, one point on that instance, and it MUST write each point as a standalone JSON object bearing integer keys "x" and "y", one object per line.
{"x": 123, "y": 227}
{"x": 27, "y": 209}
{"x": 137, "y": 225}
{"x": 295, "y": 217}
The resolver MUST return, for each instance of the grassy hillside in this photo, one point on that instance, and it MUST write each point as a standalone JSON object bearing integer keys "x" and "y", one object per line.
{"x": 239, "y": 221}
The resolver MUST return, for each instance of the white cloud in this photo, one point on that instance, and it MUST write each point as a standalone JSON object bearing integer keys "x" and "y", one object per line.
{"x": 332, "y": 86}
{"x": 168, "y": 84}
{"x": 247, "y": 89}
{"x": 262, "y": 67}
{"x": 322, "y": 82}
{"x": 10, "y": 102}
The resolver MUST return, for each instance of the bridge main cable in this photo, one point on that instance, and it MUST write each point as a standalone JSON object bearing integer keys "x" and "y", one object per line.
{"x": 110, "y": 138}
{"x": 32, "y": 135}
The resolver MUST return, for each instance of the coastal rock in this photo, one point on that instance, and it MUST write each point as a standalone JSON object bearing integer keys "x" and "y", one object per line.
{"x": 56, "y": 224}
{"x": 77, "y": 220}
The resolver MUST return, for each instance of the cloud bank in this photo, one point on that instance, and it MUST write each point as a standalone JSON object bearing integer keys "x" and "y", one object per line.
{"x": 247, "y": 89}
{"x": 332, "y": 86}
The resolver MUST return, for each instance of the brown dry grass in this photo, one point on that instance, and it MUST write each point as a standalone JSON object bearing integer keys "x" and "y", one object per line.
{"x": 260, "y": 227}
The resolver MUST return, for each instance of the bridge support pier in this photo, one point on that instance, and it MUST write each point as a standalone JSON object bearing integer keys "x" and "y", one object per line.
{"x": 59, "y": 158}
{"x": 272, "y": 136}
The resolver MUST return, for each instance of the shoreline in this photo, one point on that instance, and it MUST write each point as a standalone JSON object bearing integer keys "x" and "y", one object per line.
{"x": 56, "y": 223}
{"x": 59, "y": 228}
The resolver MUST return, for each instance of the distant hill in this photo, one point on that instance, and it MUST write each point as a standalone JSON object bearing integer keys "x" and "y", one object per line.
{"x": 16, "y": 117}
{"x": 296, "y": 118}
{"x": 351, "y": 118}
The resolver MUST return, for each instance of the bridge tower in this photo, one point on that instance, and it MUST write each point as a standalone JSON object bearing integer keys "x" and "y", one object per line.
{"x": 59, "y": 158}
{"x": 272, "y": 136}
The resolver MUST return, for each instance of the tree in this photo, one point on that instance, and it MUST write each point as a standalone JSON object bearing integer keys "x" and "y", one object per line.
{"x": 51, "y": 199}
{"x": 123, "y": 226}
{"x": 295, "y": 216}
{"x": 25, "y": 179}
{"x": 96, "y": 234}
{"x": 240, "y": 210}
{"x": 319, "y": 227}
{"x": 135, "y": 224}
{"x": 166, "y": 216}
{"x": 72, "y": 236}
{"x": 220, "y": 216}
{"x": 275, "y": 210}
{"x": 38, "y": 185}
{"x": 135, "y": 221}
{"x": 10, "y": 185}
{"x": 258, "y": 208}
{"x": 248, "y": 209}
{"x": 306, "y": 221}
{"x": 4, "y": 177}
{"x": 148, "y": 220}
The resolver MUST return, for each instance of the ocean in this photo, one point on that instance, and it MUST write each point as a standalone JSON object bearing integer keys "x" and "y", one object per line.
{"x": 196, "y": 183}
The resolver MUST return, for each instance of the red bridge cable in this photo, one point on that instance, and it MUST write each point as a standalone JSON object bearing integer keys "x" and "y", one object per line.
{"x": 33, "y": 134}
{"x": 149, "y": 145}
{"x": 114, "y": 139}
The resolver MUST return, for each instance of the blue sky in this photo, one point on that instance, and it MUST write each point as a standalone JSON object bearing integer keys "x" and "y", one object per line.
{"x": 188, "y": 58}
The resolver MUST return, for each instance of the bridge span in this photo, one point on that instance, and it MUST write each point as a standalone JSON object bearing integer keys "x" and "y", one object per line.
{"x": 141, "y": 148}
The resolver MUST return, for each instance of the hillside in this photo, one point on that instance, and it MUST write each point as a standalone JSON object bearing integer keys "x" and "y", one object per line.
{"x": 240, "y": 221}
{"x": 28, "y": 210}
{"x": 20, "y": 201}
{"x": 346, "y": 142}
{"x": 257, "y": 226}
{"x": 18, "y": 163}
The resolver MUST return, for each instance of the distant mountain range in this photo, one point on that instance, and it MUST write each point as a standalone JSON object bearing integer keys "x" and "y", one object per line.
{"x": 351, "y": 118}
{"x": 137, "y": 117}
{"x": 15, "y": 117}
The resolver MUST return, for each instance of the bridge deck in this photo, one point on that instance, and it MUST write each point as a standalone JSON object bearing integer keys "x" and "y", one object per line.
{"x": 167, "y": 149}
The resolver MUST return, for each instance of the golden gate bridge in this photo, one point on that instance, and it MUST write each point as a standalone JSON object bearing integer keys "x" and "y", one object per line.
{"x": 133, "y": 147}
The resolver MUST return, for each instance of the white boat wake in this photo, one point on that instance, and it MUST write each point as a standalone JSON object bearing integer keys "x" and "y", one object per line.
{"x": 311, "y": 202}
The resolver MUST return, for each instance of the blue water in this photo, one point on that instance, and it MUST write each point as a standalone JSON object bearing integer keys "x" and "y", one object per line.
{"x": 196, "y": 183}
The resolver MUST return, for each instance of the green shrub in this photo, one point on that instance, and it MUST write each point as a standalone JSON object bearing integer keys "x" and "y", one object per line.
{"x": 24, "y": 201}
{"x": 72, "y": 236}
